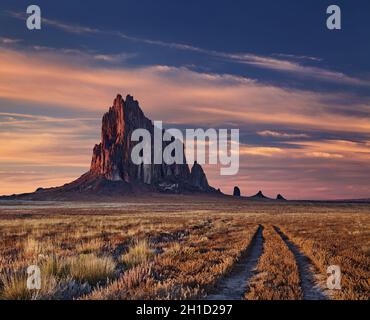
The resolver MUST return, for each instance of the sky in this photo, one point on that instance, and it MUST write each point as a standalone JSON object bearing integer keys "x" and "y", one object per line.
{"x": 298, "y": 92}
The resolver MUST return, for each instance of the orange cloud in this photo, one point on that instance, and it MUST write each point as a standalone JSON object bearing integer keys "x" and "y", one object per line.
{"x": 174, "y": 95}
{"x": 260, "y": 151}
{"x": 169, "y": 94}
{"x": 335, "y": 149}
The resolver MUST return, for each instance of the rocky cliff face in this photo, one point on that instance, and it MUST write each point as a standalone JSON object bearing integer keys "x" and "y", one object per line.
{"x": 112, "y": 157}
{"x": 198, "y": 177}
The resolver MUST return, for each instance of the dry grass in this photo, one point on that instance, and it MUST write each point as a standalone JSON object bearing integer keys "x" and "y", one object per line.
{"x": 343, "y": 242}
{"x": 277, "y": 275}
{"x": 137, "y": 254}
{"x": 14, "y": 287}
{"x": 187, "y": 269}
{"x": 90, "y": 268}
{"x": 189, "y": 245}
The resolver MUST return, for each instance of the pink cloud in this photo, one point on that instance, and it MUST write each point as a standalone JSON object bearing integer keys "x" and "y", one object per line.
{"x": 176, "y": 95}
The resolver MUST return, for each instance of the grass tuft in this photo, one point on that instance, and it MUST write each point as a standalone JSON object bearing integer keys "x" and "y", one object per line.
{"x": 90, "y": 268}
{"x": 138, "y": 254}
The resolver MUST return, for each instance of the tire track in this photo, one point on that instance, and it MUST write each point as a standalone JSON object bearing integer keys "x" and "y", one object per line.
{"x": 233, "y": 286}
{"x": 311, "y": 290}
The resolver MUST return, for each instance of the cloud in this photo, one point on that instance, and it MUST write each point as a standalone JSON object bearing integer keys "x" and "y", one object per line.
{"x": 8, "y": 41}
{"x": 72, "y": 28}
{"x": 334, "y": 148}
{"x": 113, "y": 58}
{"x": 325, "y": 155}
{"x": 31, "y": 150}
{"x": 172, "y": 94}
{"x": 31, "y": 143}
{"x": 297, "y": 57}
{"x": 325, "y": 149}
{"x": 284, "y": 135}
{"x": 284, "y": 63}
{"x": 260, "y": 151}
{"x": 294, "y": 67}
{"x": 327, "y": 169}
{"x": 84, "y": 56}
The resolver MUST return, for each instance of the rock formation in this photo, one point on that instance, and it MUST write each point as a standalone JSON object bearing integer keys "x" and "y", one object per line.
{"x": 259, "y": 195}
{"x": 280, "y": 197}
{"x": 112, "y": 172}
{"x": 112, "y": 157}
{"x": 236, "y": 192}
{"x": 198, "y": 178}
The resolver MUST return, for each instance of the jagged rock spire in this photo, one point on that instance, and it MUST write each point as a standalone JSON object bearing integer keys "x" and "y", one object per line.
{"x": 112, "y": 157}
{"x": 198, "y": 177}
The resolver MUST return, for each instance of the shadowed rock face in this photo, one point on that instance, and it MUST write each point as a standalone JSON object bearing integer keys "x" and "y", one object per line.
{"x": 198, "y": 177}
{"x": 280, "y": 197}
{"x": 259, "y": 195}
{"x": 236, "y": 192}
{"x": 112, "y": 157}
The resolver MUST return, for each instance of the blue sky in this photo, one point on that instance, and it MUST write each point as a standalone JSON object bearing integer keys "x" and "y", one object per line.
{"x": 298, "y": 92}
{"x": 259, "y": 27}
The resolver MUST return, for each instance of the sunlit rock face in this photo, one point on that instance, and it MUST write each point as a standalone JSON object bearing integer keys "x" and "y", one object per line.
{"x": 112, "y": 157}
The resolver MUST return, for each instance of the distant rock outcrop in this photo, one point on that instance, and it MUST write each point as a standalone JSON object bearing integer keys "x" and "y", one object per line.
{"x": 259, "y": 195}
{"x": 236, "y": 192}
{"x": 112, "y": 171}
{"x": 280, "y": 197}
{"x": 198, "y": 177}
